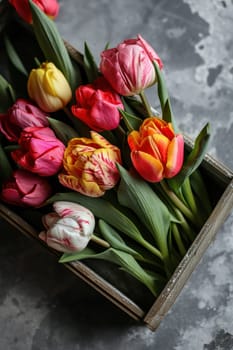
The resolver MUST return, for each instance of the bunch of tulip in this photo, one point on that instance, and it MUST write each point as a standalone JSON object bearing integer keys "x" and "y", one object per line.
{"x": 84, "y": 144}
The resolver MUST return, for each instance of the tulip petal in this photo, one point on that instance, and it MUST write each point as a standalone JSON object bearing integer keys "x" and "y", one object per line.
{"x": 49, "y": 219}
{"x": 148, "y": 167}
{"x": 156, "y": 146}
{"x": 162, "y": 144}
{"x": 134, "y": 140}
{"x": 175, "y": 156}
{"x": 91, "y": 189}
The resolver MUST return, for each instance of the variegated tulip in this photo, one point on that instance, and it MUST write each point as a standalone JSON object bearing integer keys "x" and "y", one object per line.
{"x": 156, "y": 151}
{"x": 90, "y": 165}
{"x": 69, "y": 228}
{"x": 48, "y": 87}
{"x": 129, "y": 67}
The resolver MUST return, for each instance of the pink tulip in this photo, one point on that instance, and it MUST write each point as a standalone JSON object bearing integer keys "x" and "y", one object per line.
{"x": 25, "y": 189}
{"x": 90, "y": 165}
{"x": 156, "y": 151}
{"x": 97, "y": 105}
{"x": 69, "y": 228}
{"x": 21, "y": 115}
{"x": 40, "y": 151}
{"x": 49, "y": 7}
{"x": 129, "y": 67}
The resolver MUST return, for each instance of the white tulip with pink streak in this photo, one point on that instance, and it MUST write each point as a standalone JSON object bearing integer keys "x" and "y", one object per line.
{"x": 69, "y": 228}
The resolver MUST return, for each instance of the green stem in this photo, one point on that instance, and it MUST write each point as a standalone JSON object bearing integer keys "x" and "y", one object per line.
{"x": 178, "y": 203}
{"x": 189, "y": 231}
{"x": 151, "y": 248}
{"x": 100, "y": 241}
{"x": 185, "y": 226}
{"x": 188, "y": 193}
{"x": 147, "y": 261}
{"x": 146, "y": 103}
{"x": 38, "y": 63}
{"x": 199, "y": 188}
{"x": 178, "y": 239}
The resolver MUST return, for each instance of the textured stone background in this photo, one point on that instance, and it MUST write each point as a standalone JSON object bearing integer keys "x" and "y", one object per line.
{"x": 42, "y": 306}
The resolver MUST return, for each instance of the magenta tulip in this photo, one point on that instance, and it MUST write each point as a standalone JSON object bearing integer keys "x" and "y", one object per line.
{"x": 25, "y": 189}
{"x": 40, "y": 151}
{"x": 20, "y": 116}
{"x": 129, "y": 67}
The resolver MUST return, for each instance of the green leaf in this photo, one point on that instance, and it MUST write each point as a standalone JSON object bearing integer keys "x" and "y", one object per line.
{"x": 194, "y": 158}
{"x": 136, "y": 194}
{"x": 90, "y": 66}
{"x": 7, "y": 95}
{"x": 53, "y": 46}
{"x": 124, "y": 260}
{"x": 6, "y": 169}
{"x": 14, "y": 57}
{"x": 133, "y": 105}
{"x": 162, "y": 89}
{"x": 199, "y": 188}
{"x": 164, "y": 97}
{"x": 114, "y": 239}
{"x": 4, "y": 14}
{"x": 62, "y": 130}
{"x": 131, "y": 121}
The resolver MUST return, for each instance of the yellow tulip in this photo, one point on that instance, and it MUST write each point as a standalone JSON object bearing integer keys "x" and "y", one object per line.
{"x": 48, "y": 87}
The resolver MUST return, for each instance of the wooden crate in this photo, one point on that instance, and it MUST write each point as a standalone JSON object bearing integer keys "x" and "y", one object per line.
{"x": 222, "y": 179}
{"x": 151, "y": 316}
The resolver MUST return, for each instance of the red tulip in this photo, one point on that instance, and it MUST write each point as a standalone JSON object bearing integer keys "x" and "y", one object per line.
{"x": 49, "y": 7}
{"x": 156, "y": 151}
{"x": 40, "y": 151}
{"x": 97, "y": 105}
{"x": 20, "y": 116}
{"x": 25, "y": 189}
{"x": 129, "y": 67}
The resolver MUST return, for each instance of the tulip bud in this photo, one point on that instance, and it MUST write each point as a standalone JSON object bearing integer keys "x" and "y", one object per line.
{"x": 20, "y": 116}
{"x": 129, "y": 67}
{"x": 90, "y": 165}
{"x": 69, "y": 228}
{"x": 40, "y": 151}
{"x": 97, "y": 105}
{"x": 25, "y": 189}
{"x": 156, "y": 151}
{"x": 49, "y": 88}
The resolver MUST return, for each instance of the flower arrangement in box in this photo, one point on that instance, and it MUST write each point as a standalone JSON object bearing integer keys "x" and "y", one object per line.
{"x": 109, "y": 175}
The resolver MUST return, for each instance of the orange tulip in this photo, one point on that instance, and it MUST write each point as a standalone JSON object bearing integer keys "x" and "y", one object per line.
{"x": 156, "y": 151}
{"x": 90, "y": 165}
